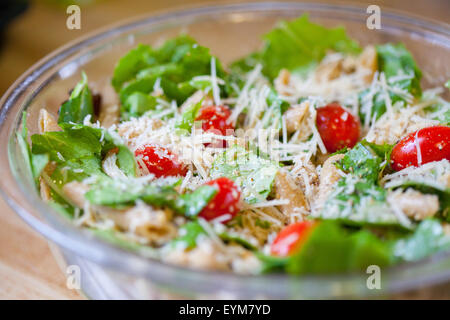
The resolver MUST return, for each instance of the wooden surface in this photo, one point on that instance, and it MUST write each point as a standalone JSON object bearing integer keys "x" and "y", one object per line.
{"x": 27, "y": 267}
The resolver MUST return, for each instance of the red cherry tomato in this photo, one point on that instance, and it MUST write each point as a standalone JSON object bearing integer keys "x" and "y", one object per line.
{"x": 338, "y": 128}
{"x": 290, "y": 239}
{"x": 160, "y": 161}
{"x": 433, "y": 143}
{"x": 226, "y": 200}
{"x": 214, "y": 119}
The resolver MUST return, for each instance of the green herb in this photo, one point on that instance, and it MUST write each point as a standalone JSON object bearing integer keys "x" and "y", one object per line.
{"x": 253, "y": 174}
{"x": 79, "y": 104}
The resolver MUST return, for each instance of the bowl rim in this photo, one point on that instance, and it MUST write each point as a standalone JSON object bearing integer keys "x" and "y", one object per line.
{"x": 80, "y": 242}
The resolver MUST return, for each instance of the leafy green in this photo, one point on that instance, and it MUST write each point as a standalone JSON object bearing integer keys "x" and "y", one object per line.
{"x": 136, "y": 105}
{"x": 278, "y": 106}
{"x": 118, "y": 239}
{"x": 332, "y": 248}
{"x": 188, "y": 234}
{"x": 358, "y": 202}
{"x": 297, "y": 45}
{"x": 362, "y": 162}
{"x": 428, "y": 238}
{"x": 35, "y": 163}
{"x": 79, "y": 105}
{"x": 394, "y": 60}
{"x": 357, "y": 198}
{"x": 78, "y": 151}
{"x": 175, "y": 63}
{"x": 252, "y": 173}
{"x": 185, "y": 122}
{"x": 440, "y": 110}
{"x": 125, "y": 192}
{"x": 72, "y": 143}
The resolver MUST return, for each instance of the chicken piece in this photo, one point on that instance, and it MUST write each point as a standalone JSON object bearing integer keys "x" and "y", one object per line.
{"x": 155, "y": 225}
{"x": 368, "y": 60}
{"x": 44, "y": 190}
{"x": 285, "y": 188}
{"x": 282, "y": 82}
{"x": 329, "y": 175}
{"x": 294, "y": 116}
{"x": 109, "y": 115}
{"x": 46, "y": 122}
{"x": 74, "y": 191}
{"x": 205, "y": 256}
{"x": 329, "y": 70}
{"x": 414, "y": 204}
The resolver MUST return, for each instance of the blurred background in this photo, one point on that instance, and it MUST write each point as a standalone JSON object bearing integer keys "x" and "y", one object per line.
{"x": 31, "y": 29}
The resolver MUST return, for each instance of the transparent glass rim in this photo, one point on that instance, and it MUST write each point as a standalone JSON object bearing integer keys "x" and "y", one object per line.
{"x": 22, "y": 200}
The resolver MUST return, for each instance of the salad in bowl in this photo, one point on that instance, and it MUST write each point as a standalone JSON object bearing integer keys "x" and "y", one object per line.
{"x": 312, "y": 155}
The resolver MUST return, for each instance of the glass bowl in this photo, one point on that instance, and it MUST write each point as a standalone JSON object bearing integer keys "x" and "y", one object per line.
{"x": 231, "y": 31}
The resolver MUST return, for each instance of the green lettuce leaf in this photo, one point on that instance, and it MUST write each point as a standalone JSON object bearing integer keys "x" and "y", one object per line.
{"x": 357, "y": 198}
{"x": 428, "y": 238}
{"x": 125, "y": 192}
{"x": 188, "y": 234}
{"x": 333, "y": 248}
{"x": 175, "y": 63}
{"x": 394, "y": 60}
{"x": 136, "y": 105}
{"x": 254, "y": 174}
{"x": 185, "y": 122}
{"x": 79, "y": 105}
{"x": 297, "y": 45}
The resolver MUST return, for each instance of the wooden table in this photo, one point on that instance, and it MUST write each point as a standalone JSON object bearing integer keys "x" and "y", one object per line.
{"x": 27, "y": 267}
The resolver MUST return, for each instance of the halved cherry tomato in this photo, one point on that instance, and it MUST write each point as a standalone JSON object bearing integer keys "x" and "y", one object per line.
{"x": 214, "y": 119}
{"x": 337, "y": 127}
{"x": 290, "y": 239}
{"x": 160, "y": 161}
{"x": 433, "y": 143}
{"x": 226, "y": 200}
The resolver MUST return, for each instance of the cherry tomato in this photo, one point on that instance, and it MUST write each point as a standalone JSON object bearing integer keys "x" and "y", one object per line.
{"x": 290, "y": 239}
{"x": 214, "y": 119}
{"x": 160, "y": 161}
{"x": 226, "y": 200}
{"x": 433, "y": 143}
{"x": 338, "y": 128}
